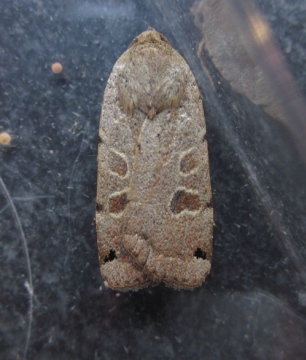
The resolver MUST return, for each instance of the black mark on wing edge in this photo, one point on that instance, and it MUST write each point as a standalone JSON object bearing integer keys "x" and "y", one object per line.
{"x": 209, "y": 204}
{"x": 111, "y": 256}
{"x": 99, "y": 207}
{"x": 145, "y": 236}
{"x": 199, "y": 254}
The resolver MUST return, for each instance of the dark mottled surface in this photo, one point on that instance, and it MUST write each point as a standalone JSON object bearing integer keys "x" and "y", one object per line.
{"x": 252, "y": 306}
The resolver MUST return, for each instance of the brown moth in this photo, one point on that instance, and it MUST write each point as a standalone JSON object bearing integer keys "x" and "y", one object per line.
{"x": 154, "y": 203}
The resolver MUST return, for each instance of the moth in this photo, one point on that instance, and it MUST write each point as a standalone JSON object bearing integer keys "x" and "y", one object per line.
{"x": 154, "y": 215}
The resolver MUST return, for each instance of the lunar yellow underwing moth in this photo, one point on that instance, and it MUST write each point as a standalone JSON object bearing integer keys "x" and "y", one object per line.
{"x": 154, "y": 214}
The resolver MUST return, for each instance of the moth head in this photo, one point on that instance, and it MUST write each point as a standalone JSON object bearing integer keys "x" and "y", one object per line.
{"x": 149, "y": 36}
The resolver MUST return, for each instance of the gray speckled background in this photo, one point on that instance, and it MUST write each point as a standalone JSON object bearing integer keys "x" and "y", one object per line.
{"x": 53, "y": 303}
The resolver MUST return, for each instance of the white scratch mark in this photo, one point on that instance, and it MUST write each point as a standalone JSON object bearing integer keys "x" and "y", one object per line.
{"x": 4, "y": 208}
{"x": 70, "y": 187}
{"x": 29, "y": 283}
{"x": 27, "y": 198}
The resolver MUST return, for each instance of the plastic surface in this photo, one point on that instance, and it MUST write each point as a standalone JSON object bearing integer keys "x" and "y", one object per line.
{"x": 249, "y": 61}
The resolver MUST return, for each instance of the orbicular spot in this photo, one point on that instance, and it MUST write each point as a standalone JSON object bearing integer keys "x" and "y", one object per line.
{"x": 185, "y": 200}
{"x": 117, "y": 202}
{"x": 117, "y": 163}
{"x": 188, "y": 162}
